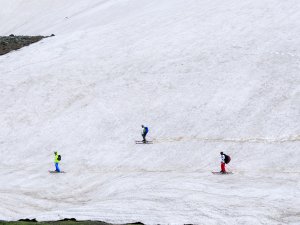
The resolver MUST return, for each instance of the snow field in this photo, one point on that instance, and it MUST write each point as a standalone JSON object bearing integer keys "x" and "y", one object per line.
{"x": 205, "y": 76}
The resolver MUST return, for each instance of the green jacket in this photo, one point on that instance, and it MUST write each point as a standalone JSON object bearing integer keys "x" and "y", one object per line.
{"x": 56, "y": 158}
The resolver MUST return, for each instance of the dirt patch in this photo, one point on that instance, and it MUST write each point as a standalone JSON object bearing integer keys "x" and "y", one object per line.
{"x": 60, "y": 222}
{"x": 12, "y": 42}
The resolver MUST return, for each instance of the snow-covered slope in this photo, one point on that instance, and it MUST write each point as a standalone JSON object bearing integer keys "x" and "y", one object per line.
{"x": 205, "y": 76}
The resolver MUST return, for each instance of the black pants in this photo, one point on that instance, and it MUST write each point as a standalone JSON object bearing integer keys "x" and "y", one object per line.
{"x": 144, "y": 137}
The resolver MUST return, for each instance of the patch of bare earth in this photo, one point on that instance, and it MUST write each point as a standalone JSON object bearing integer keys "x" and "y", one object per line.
{"x": 12, "y": 42}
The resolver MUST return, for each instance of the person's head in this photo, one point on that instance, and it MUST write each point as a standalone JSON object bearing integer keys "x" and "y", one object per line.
{"x": 142, "y": 126}
{"x": 55, "y": 153}
{"x": 221, "y": 153}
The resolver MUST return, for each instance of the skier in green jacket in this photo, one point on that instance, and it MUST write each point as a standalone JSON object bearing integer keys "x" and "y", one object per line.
{"x": 57, "y": 158}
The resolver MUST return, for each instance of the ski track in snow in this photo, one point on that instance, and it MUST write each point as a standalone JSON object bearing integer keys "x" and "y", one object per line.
{"x": 294, "y": 138}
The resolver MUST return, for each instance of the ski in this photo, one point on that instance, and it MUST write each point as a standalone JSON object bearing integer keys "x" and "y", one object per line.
{"x": 220, "y": 173}
{"x": 51, "y": 171}
{"x": 141, "y": 142}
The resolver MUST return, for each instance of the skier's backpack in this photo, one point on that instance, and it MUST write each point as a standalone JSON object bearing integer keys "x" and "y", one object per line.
{"x": 227, "y": 159}
{"x": 146, "y": 130}
{"x": 59, "y": 157}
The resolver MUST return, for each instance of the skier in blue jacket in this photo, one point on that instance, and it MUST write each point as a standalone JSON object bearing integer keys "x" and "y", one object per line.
{"x": 144, "y": 133}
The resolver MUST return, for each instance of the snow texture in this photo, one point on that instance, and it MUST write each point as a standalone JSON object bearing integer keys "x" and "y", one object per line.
{"x": 204, "y": 75}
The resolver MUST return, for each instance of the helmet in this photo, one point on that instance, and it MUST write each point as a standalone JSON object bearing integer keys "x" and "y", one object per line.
{"x": 221, "y": 153}
{"x": 142, "y": 125}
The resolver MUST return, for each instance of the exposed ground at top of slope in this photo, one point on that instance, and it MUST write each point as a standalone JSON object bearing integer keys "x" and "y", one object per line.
{"x": 10, "y": 43}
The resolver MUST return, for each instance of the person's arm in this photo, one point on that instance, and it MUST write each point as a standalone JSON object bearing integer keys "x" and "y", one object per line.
{"x": 222, "y": 158}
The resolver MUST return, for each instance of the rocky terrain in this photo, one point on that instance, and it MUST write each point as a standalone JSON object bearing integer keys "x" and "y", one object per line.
{"x": 60, "y": 222}
{"x": 12, "y": 42}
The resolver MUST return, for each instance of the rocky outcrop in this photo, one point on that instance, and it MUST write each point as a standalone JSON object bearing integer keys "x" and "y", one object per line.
{"x": 12, "y": 42}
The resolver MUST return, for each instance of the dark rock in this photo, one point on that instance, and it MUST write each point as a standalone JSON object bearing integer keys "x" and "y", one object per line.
{"x": 28, "y": 220}
{"x": 68, "y": 219}
{"x": 12, "y": 42}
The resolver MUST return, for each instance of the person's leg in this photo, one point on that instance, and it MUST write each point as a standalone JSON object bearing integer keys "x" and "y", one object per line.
{"x": 223, "y": 168}
{"x": 144, "y": 137}
{"x": 57, "y": 167}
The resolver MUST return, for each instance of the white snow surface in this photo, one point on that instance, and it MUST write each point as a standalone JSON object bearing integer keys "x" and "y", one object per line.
{"x": 204, "y": 75}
